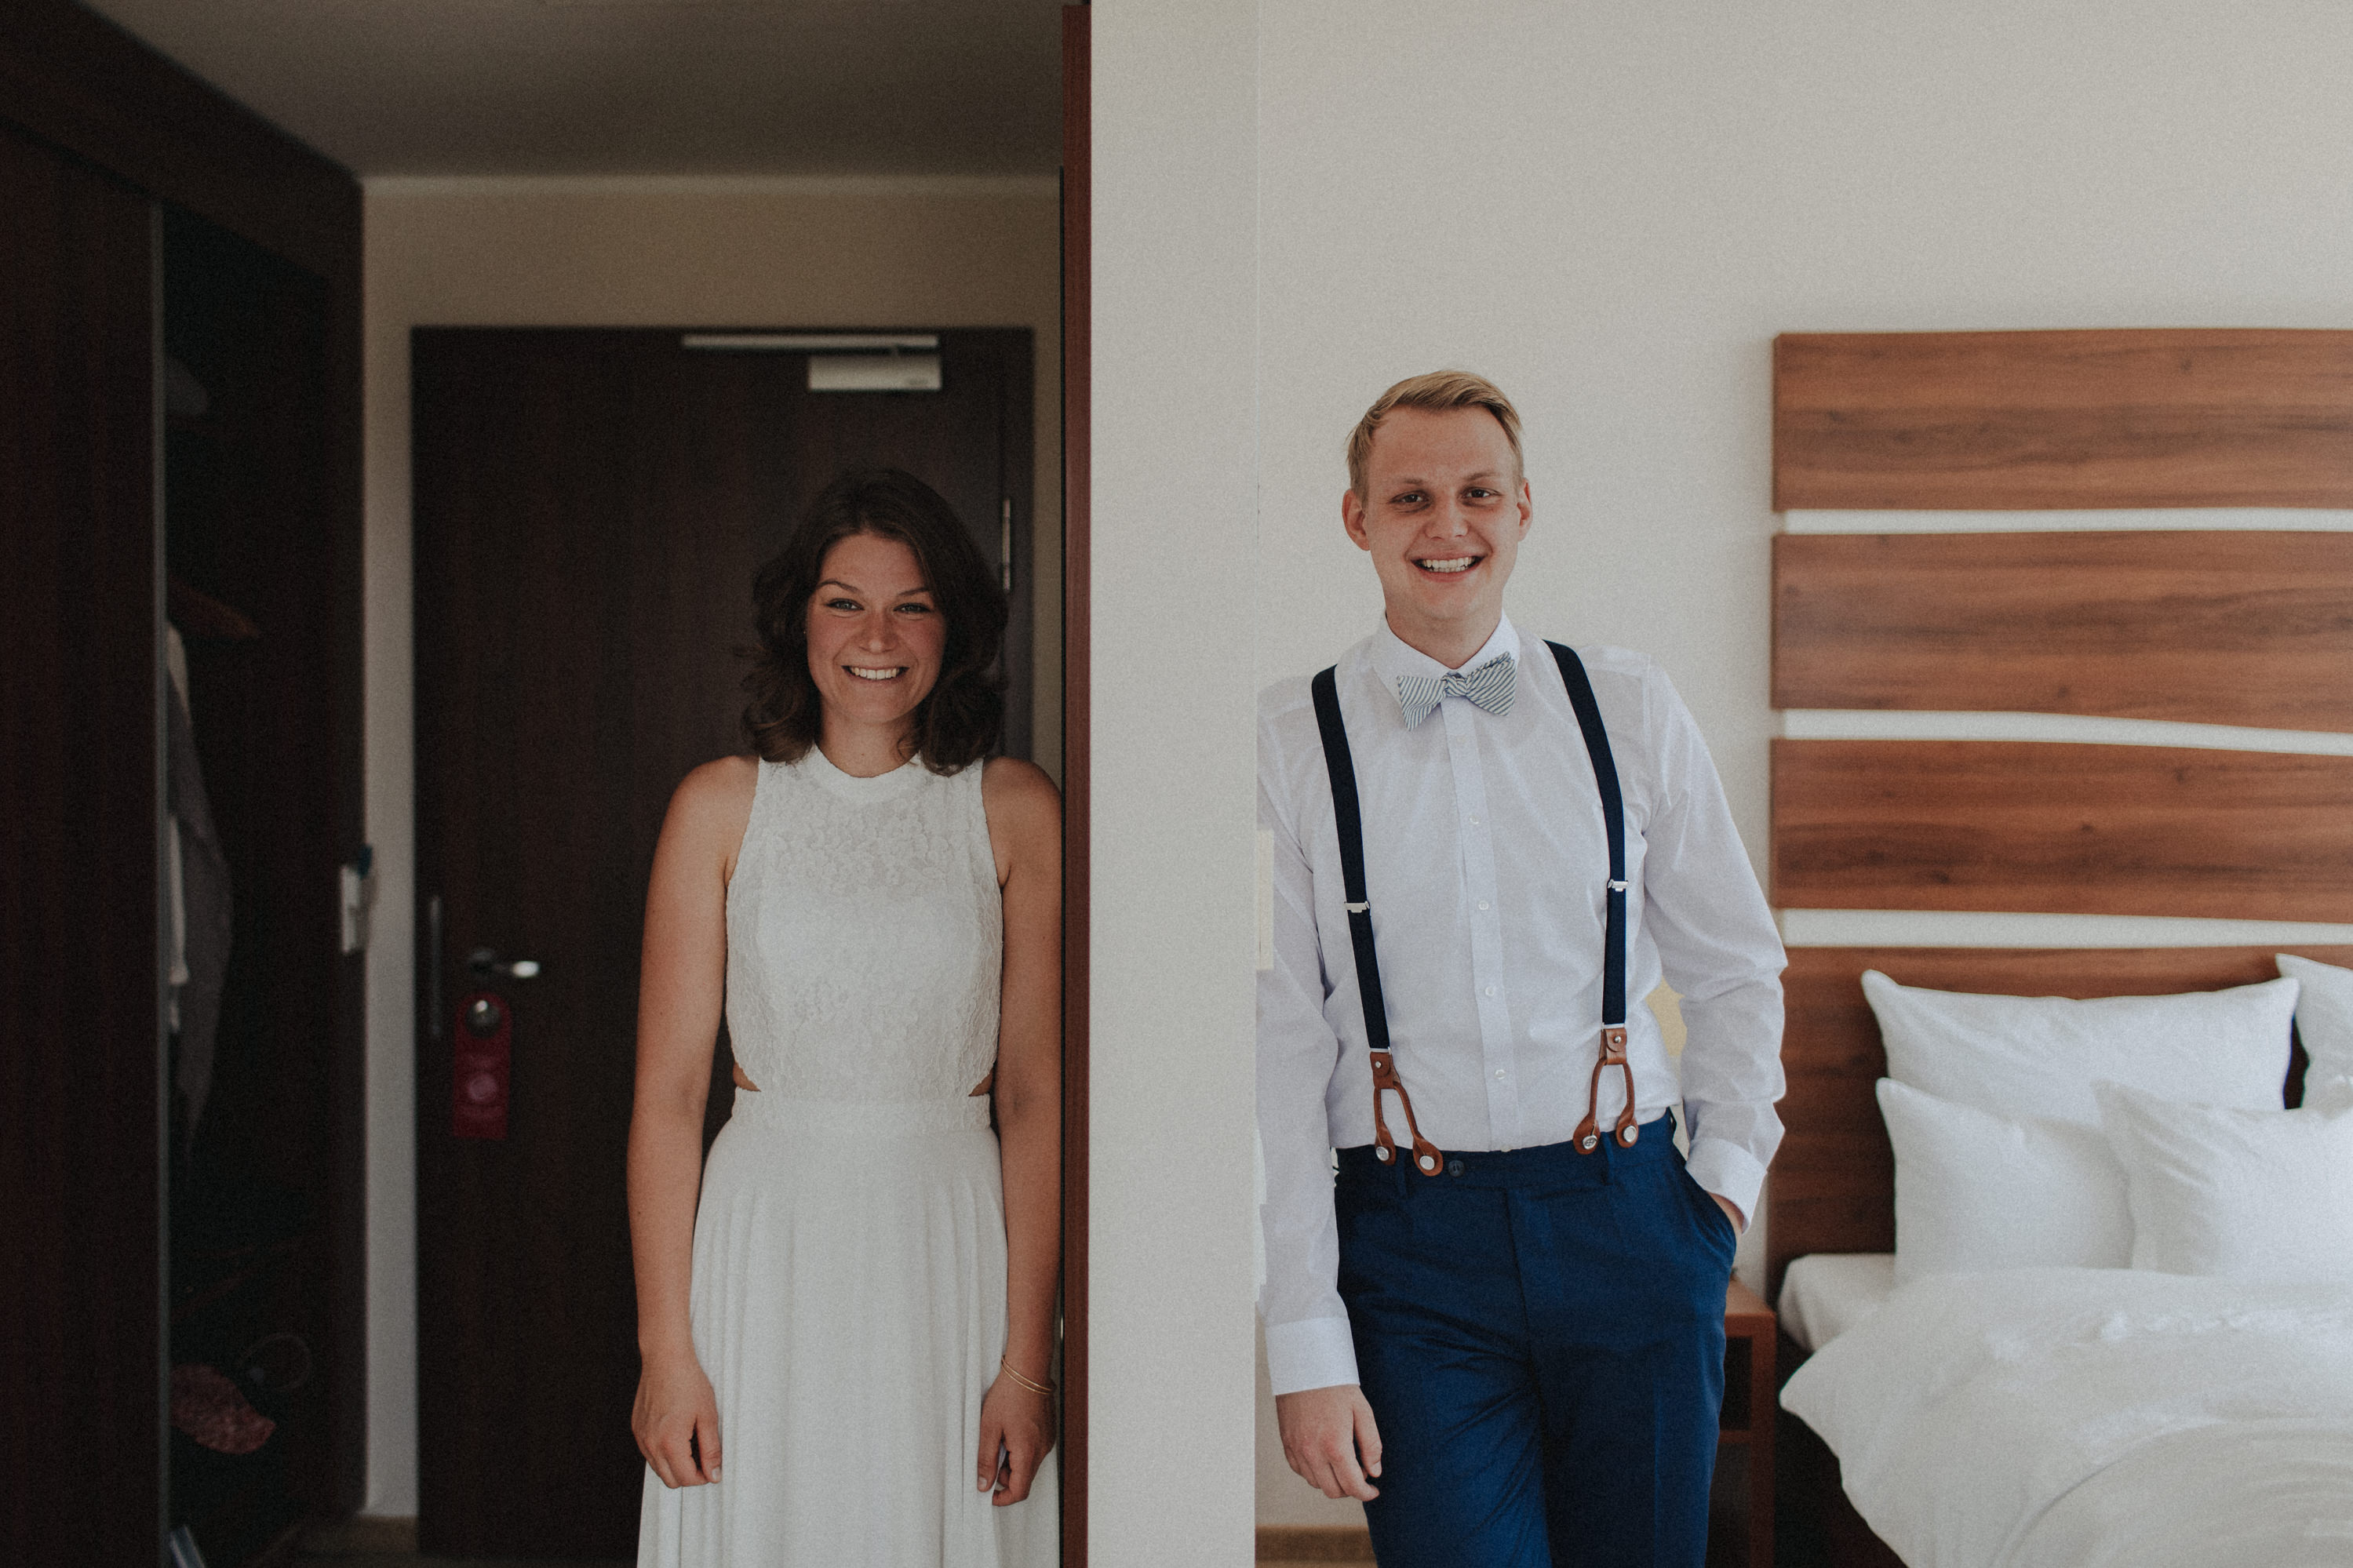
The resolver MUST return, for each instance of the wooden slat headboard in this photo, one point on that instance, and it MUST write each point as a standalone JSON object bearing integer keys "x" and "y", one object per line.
{"x": 1993, "y": 421}
{"x": 2247, "y": 628}
{"x": 2040, "y": 828}
{"x": 2198, "y": 626}
{"x": 1832, "y": 1187}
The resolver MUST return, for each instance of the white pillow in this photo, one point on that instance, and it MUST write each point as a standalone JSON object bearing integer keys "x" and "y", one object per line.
{"x": 2324, "y": 1014}
{"x": 2264, "y": 1196}
{"x": 1975, "y": 1191}
{"x": 2038, "y": 1056}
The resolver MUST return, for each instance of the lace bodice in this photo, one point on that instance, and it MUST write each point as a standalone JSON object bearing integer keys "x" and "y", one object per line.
{"x": 865, "y": 935}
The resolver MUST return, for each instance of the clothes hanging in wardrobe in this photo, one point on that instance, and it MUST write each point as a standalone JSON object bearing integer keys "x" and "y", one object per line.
{"x": 200, "y": 893}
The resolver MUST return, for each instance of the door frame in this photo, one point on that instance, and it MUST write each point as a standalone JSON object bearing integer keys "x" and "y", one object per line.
{"x": 1077, "y": 763}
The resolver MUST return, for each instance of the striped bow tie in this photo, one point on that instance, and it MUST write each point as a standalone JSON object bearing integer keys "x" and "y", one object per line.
{"x": 1489, "y": 685}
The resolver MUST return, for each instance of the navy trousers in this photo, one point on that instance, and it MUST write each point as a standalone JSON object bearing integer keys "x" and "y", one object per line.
{"x": 1540, "y": 1334}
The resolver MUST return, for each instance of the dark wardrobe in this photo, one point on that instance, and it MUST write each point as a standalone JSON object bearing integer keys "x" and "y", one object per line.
{"x": 181, "y": 1225}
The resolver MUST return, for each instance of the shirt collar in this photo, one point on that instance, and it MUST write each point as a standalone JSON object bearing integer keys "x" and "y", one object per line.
{"x": 1392, "y": 656}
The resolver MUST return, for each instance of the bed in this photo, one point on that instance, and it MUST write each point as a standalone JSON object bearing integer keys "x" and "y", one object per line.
{"x": 1917, "y": 1475}
{"x": 1996, "y": 730}
{"x": 2096, "y": 1418}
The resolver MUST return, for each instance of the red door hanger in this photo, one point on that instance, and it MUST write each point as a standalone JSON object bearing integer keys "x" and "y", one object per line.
{"x": 477, "y": 1081}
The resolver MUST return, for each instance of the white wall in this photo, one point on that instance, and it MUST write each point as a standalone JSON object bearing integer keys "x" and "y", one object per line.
{"x": 1174, "y": 931}
{"x": 1612, "y": 207}
{"x": 806, "y": 253}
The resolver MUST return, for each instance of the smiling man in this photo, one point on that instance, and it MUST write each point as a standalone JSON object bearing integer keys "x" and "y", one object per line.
{"x": 1503, "y": 1325}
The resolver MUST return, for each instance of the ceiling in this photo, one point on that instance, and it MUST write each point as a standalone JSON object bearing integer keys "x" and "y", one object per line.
{"x": 636, "y": 87}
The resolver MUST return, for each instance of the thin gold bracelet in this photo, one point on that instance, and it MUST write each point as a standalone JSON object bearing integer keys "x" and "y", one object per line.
{"x": 1007, "y": 1367}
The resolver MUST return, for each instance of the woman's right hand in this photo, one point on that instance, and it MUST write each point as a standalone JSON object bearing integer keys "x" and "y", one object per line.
{"x": 676, "y": 1420}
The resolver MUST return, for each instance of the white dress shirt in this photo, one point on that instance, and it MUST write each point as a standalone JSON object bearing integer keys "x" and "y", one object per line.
{"x": 1485, "y": 864}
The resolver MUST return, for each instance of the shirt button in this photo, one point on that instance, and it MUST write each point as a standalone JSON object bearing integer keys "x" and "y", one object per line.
{"x": 1474, "y": 822}
{"x": 1491, "y": 990}
{"x": 1483, "y": 903}
{"x": 1499, "y": 1072}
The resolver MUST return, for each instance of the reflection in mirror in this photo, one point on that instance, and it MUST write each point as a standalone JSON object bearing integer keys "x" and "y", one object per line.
{"x": 608, "y": 520}
{"x": 340, "y": 1195}
{"x": 874, "y": 900}
{"x": 592, "y": 507}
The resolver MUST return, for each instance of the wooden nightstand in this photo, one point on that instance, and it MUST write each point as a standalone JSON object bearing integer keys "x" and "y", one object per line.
{"x": 1742, "y": 1537}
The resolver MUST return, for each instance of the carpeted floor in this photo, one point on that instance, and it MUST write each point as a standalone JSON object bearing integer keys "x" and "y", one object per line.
{"x": 375, "y": 1561}
{"x": 395, "y": 1560}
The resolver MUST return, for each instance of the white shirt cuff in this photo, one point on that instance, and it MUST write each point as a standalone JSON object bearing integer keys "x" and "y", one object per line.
{"x": 1314, "y": 1352}
{"x": 1728, "y": 1171}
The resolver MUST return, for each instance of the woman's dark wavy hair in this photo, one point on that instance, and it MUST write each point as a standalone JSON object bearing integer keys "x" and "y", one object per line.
{"x": 958, "y": 722}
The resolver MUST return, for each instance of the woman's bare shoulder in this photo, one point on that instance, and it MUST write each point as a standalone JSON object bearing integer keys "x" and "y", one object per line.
{"x": 1019, "y": 793}
{"x": 714, "y": 801}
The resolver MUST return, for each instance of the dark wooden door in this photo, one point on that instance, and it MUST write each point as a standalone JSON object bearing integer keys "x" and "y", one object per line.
{"x": 590, "y": 508}
{"x": 81, "y": 1137}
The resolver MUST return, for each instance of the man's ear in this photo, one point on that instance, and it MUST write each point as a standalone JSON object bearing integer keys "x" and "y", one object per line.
{"x": 1352, "y": 518}
{"x": 1527, "y": 508}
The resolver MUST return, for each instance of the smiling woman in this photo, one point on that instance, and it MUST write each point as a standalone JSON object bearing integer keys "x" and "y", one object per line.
{"x": 880, "y": 584}
{"x": 853, "y": 1298}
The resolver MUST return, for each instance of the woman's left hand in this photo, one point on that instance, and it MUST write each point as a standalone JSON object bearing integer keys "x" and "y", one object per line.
{"x": 1016, "y": 1433}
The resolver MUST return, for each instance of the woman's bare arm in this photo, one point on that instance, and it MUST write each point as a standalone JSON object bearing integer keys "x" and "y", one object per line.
{"x": 1025, "y": 827}
{"x": 681, "y": 990}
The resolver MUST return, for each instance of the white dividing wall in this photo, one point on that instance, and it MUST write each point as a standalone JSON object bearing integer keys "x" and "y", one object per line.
{"x": 626, "y": 252}
{"x": 1611, "y": 207}
{"x": 1174, "y": 798}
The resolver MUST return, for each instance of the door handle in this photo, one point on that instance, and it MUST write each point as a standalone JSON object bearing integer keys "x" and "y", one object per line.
{"x": 485, "y": 962}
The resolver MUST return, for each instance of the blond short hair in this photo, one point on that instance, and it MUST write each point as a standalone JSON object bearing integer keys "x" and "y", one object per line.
{"x": 1438, "y": 391}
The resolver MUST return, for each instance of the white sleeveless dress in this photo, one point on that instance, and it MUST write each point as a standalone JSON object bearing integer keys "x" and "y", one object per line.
{"x": 848, "y": 1297}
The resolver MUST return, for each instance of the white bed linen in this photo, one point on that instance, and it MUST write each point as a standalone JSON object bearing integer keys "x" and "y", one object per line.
{"x": 1824, "y": 1294}
{"x": 1974, "y": 1190}
{"x": 2038, "y": 1056}
{"x": 2090, "y": 1417}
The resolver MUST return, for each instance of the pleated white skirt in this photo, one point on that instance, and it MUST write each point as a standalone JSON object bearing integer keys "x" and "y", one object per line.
{"x": 848, "y": 1303}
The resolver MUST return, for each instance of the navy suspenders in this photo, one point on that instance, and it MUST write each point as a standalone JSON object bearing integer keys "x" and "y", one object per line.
{"x": 1348, "y": 819}
{"x": 1613, "y": 935}
{"x": 1342, "y": 770}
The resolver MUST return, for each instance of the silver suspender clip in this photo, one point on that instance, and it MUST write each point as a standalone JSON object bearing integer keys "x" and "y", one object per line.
{"x": 1617, "y": 886}
{"x": 1358, "y": 909}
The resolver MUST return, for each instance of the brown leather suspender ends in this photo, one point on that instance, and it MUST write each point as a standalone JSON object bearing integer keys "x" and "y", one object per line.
{"x": 1588, "y": 1131}
{"x": 1426, "y": 1157}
